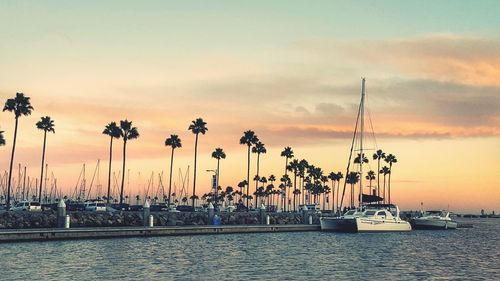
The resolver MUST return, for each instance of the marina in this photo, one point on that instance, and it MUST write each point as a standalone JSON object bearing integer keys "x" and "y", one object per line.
{"x": 250, "y": 140}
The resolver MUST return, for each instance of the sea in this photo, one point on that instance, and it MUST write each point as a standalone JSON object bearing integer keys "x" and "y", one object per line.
{"x": 462, "y": 254}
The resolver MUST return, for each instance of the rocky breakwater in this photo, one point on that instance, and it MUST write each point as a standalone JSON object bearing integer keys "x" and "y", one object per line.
{"x": 48, "y": 219}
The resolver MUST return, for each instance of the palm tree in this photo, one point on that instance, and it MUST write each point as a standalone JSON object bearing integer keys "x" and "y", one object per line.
{"x": 379, "y": 155}
{"x": 390, "y": 159}
{"x": 370, "y": 176}
{"x": 358, "y": 159}
{"x": 385, "y": 171}
{"x": 258, "y": 148}
{"x": 175, "y": 142}
{"x": 20, "y": 105}
{"x": 242, "y": 185}
{"x": 263, "y": 180}
{"x": 352, "y": 179}
{"x": 272, "y": 179}
{"x": 218, "y": 154}
{"x": 249, "y": 138}
{"x": 333, "y": 177}
{"x": 303, "y": 165}
{"x": 286, "y": 182}
{"x": 113, "y": 131}
{"x": 288, "y": 154}
{"x": 127, "y": 132}
{"x": 197, "y": 126}
{"x": 294, "y": 168}
{"x": 47, "y": 125}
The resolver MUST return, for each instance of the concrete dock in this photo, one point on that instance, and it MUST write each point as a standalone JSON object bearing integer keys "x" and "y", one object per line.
{"x": 46, "y": 234}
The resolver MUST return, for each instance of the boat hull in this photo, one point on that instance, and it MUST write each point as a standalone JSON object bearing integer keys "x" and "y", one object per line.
{"x": 338, "y": 224}
{"x": 433, "y": 224}
{"x": 381, "y": 225}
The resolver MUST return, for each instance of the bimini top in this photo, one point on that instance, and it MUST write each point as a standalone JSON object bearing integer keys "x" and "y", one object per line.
{"x": 367, "y": 198}
{"x": 381, "y": 206}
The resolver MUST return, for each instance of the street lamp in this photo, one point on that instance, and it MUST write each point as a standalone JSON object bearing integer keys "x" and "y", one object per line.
{"x": 215, "y": 184}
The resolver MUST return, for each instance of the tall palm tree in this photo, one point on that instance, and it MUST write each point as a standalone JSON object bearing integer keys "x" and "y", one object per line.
{"x": 249, "y": 138}
{"x": 294, "y": 168}
{"x": 352, "y": 179}
{"x": 390, "y": 159}
{"x": 47, "y": 125}
{"x": 370, "y": 176}
{"x": 197, "y": 126}
{"x": 175, "y": 142}
{"x": 385, "y": 171}
{"x": 288, "y": 154}
{"x": 20, "y": 105}
{"x": 127, "y": 132}
{"x": 218, "y": 154}
{"x": 378, "y": 155}
{"x": 259, "y": 148}
{"x": 303, "y": 165}
{"x": 113, "y": 131}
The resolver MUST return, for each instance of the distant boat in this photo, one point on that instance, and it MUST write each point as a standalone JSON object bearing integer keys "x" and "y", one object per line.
{"x": 365, "y": 218}
{"x": 434, "y": 220}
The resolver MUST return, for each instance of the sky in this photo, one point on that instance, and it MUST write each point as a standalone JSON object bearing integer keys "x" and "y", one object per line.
{"x": 289, "y": 70}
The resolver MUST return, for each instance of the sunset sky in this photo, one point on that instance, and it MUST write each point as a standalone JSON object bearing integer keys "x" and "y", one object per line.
{"x": 289, "y": 70}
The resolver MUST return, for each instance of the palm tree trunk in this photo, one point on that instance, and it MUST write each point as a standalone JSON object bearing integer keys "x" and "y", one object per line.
{"x": 170, "y": 180}
{"x": 378, "y": 177}
{"x": 123, "y": 171}
{"x": 194, "y": 177}
{"x": 248, "y": 176}
{"x": 11, "y": 163}
{"x": 389, "y": 187}
{"x": 333, "y": 195}
{"x": 217, "y": 184}
{"x": 302, "y": 192}
{"x": 294, "y": 192}
{"x": 384, "y": 189}
{"x": 43, "y": 161}
{"x": 257, "y": 181}
{"x": 337, "y": 203}
{"x": 109, "y": 168}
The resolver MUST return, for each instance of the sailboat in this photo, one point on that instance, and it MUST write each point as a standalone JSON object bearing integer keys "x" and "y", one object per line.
{"x": 365, "y": 218}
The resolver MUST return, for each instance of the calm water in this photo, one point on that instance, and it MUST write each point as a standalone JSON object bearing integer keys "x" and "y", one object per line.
{"x": 468, "y": 254}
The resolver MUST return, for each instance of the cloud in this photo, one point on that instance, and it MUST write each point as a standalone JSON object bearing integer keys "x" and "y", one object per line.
{"x": 465, "y": 60}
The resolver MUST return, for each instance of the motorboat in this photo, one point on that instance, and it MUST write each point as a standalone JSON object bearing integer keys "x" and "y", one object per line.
{"x": 434, "y": 220}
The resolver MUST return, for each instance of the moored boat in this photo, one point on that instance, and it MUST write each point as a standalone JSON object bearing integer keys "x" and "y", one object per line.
{"x": 434, "y": 220}
{"x": 367, "y": 217}
{"x": 373, "y": 218}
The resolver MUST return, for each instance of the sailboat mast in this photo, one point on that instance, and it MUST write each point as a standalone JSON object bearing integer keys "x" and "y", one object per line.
{"x": 361, "y": 154}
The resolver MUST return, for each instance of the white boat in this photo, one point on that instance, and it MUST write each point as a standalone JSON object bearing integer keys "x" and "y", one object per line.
{"x": 365, "y": 218}
{"x": 373, "y": 218}
{"x": 344, "y": 223}
{"x": 434, "y": 220}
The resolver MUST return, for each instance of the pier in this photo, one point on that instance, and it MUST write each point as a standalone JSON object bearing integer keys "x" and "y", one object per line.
{"x": 46, "y": 234}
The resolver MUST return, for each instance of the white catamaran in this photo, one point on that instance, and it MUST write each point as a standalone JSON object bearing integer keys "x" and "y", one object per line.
{"x": 368, "y": 217}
